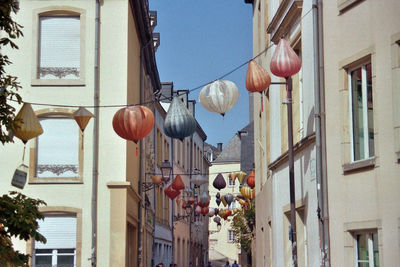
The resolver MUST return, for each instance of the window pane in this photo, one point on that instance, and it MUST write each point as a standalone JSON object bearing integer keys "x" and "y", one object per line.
{"x": 370, "y": 111}
{"x": 65, "y": 261}
{"x": 357, "y": 108}
{"x": 362, "y": 248}
{"x": 43, "y": 261}
{"x": 59, "y": 56}
{"x": 376, "y": 249}
{"x": 58, "y": 148}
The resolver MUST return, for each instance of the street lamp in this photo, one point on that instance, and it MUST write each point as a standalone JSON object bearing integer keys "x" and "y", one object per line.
{"x": 166, "y": 170}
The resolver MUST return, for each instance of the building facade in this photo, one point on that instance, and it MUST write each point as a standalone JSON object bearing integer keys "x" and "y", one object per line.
{"x": 221, "y": 242}
{"x": 72, "y": 55}
{"x": 362, "y": 136}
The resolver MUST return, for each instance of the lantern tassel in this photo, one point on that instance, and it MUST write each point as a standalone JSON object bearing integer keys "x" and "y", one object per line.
{"x": 23, "y": 154}
{"x": 82, "y": 139}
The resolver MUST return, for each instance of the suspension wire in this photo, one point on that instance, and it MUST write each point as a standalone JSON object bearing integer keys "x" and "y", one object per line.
{"x": 165, "y": 98}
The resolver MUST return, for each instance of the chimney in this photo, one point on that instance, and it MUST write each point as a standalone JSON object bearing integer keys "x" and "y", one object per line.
{"x": 219, "y": 146}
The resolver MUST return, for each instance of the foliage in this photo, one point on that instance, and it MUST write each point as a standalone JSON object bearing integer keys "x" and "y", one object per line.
{"x": 243, "y": 224}
{"x": 9, "y": 31}
{"x": 18, "y": 218}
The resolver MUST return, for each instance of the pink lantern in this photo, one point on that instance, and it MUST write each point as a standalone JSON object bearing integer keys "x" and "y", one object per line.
{"x": 284, "y": 62}
{"x": 198, "y": 209}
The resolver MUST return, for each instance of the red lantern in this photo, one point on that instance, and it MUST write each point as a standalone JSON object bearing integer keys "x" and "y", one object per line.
{"x": 228, "y": 212}
{"x": 257, "y": 78}
{"x": 171, "y": 193}
{"x": 284, "y": 62}
{"x": 184, "y": 205}
{"x": 133, "y": 123}
{"x": 251, "y": 180}
{"x": 178, "y": 184}
{"x": 204, "y": 204}
{"x": 204, "y": 210}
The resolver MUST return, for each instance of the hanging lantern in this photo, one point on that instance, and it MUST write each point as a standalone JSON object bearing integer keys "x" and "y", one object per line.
{"x": 221, "y": 213}
{"x": 232, "y": 177}
{"x": 28, "y": 124}
{"x": 224, "y": 201}
{"x": 246, "y": 191}
{"x": 133, "y": 123}
{"x": 179, "y": 122}
{"x": 216, "y": 210}
{"x": 204, "y": 204}
{"x": 191, "y": 200}
{"x": 178, "y": 184}
{"x": 219, "y": 182}
{"x": 228, "y": 212}
{"x": 218, "y": 195}
{"x": 228, "y": 199}
{"x": 257, "y": 78}
{"x": 253, "y": 193}
{"x": 184, "y": 204}
{"x": 218, "y": 201}
{"x": 211, "y": 212}
{"x": 241, "y": 176}
{"x": 156, "y": 179}
{"x": 82, "y": 117}
{"x": 204, "y": 197}
{"x": 199, "y": 180}
{"x": 284, "y": 62}
{"x": 251, "y": 180}
{"x": 171, "y": 193}
{"x": 217, "y": 219}
{"x": 241, "y": 201}
{"x": 219, "y": 96}
{"x": 204, "y": 211}
{"x": 198, "y": 209}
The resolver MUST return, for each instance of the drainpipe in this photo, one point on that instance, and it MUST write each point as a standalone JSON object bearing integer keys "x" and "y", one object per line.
{"x": 95, "y": 135}
{"x": 173, "y": 205}
{"x": 319, "y": 105}
{"x": 154, "y": 190}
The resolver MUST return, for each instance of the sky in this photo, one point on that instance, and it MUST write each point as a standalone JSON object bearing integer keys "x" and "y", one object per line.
{"x": 200, "y": 40}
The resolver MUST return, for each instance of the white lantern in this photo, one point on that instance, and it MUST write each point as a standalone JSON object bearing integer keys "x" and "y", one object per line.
{"x": 199, "y": 180}
{"x": 204, "y": 197}
{"x": 219, "y": 96}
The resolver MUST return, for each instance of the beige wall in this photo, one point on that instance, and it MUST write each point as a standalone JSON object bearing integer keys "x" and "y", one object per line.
{"x": 219, "y": 240}
{"x": 362, "y": 198}
{"x": 118, "y": 163}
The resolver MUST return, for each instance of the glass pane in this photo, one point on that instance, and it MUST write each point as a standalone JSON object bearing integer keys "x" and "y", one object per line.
{"x": 376, "y": 249}
{"x": 58, "y": 148}
{"x": 43, "y": 261}
{"x": 357, "y": 108}
{"x": 370, "y": 112}
{"x": 363, "y": 264}
{"x": 65, "y": 261}
{"x": 59, "y": 56}
{"x": 362, "y": 248}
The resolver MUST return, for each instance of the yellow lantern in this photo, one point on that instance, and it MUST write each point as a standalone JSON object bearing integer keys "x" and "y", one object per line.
{"x": 241, "y": 176}
{"x": 246, "y": 192}
{"x": 28, "y": 124}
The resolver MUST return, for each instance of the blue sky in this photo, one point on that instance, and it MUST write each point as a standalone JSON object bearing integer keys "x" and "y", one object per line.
{"x": 200, "y": 41}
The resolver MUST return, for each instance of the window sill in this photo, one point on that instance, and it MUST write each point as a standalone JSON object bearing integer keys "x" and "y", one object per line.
{"x": 60, "y": 82}
{"x": 358, "y": 165}
{"x": 343, "y": 5}
{"x": 64, "y": 180}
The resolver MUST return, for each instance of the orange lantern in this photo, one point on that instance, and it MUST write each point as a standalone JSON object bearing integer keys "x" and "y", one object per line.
{"x": 156, "y": 179}
{"x": 133, "y": 123}
{"x": 178, "y": 184}
{"x": 251, "y": 180}
{"x": 257, "y": 78}
{"x": 82, "y": 117}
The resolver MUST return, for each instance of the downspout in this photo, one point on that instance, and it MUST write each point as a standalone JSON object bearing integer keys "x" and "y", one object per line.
{"x": 173, "y": 205}
{"x": 154, "y": 192}
{"x": 95, "y": 135}
{"x": 319, "y": 105}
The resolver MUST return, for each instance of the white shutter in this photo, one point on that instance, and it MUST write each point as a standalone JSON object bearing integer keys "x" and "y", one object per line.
{"x": 60, "y": 232}
{"x": 59, "y": 48}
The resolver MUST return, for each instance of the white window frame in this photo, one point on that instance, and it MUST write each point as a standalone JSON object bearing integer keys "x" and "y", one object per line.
{"x": 229, "y": 236}
{"x": 365, "y": 111}
{"x": 370, "y": 249}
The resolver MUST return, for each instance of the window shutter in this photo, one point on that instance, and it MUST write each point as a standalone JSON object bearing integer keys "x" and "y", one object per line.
{"x": 59, "y": 48}
{"x": 60, "y": 232}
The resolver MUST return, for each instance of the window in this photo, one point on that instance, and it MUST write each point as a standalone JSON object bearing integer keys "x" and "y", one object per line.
{"x": 60, "y": 248}
{"x": 231, "y": 183}
{"x": 58, "y": 149}
{"x": 59, "y": 47}
{"x": 366, "y": 250}
{"x": 231, "y": 236}
{"x": 361, "y": 113}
